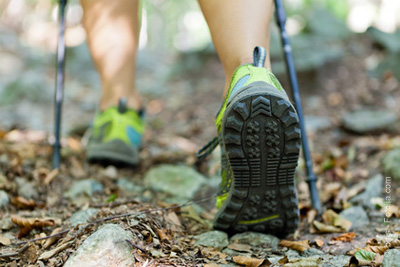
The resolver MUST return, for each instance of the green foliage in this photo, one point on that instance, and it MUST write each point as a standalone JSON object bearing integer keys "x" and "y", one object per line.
{"x": 111, "y": 198}
{"x": 365, "y": 255}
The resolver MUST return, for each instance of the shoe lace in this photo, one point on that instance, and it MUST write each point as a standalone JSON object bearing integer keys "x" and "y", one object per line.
{"x": 207, "y": 149}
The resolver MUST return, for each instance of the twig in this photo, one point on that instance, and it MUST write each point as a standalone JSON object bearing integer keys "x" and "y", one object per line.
{"x": 151, "y": 210}
{"x": 13, "y": 254}
{"x": 136, "y": 246}
{"x": 42, "y": 238}
{"x": 119, "y": 216}
{"x": 113, "y": 204}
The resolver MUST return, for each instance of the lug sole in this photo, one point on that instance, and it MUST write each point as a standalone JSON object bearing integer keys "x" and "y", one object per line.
{"x": 261, "y": 135}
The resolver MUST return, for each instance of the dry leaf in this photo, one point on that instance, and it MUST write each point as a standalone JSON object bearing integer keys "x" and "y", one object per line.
{"x": 28, "y": 224}
{"x": 162, "y": 234}
{"x": 48, "y": 254}
{"x": 319, "y": 242}
{"x": 332, "y": 218}
{"x": 251, "y": 262}
{"x": 296, "y": 245}
{"x": 300, "y": 262}
{"x": 51, "y": 176}
{"x": 23, "y": 203}
{"x": 240, "y": 247}
{"x": 51, "y": 240}
{"x": 211, "y": 265}
{"x": 346, "y": 237}
{"x": 4, "y": 240}
{"x": 323, "y": 228}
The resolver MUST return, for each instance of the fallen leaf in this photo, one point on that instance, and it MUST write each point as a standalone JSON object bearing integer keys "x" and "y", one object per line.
{"x": 48, "y": 254}
{"x": 51, "y": 240}
{"x": 240, "y": 247}
{"x": 323, "y": 228}
{"x": 296, "y": 245}
{"x": 28, "y": 224}
{"x": 211, "y": 265}
{"x": 332, "y": 218}
{"x": 162, "y": 234}
{"x": 346, "y": 237}
{"x": 319, "y": 242}
{"x": 300, "y": 262}
{"x": 51, "y": 176}
{"x": 23, "y": 203}
{"x": 251, "y": 262}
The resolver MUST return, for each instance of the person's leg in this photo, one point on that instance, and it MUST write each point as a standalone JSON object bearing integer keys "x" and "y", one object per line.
{"x": 258, "y": 128}
{"x": 112, "y": 34}
{"x": 237, "y": 26}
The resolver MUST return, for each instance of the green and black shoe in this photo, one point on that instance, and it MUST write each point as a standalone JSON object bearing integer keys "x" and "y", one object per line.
{"x": 116, "y": 136}
{"x": 259, "y": 135}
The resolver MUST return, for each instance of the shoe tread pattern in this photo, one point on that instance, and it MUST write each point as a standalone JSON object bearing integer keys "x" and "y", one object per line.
{"x": 261, "y": 135}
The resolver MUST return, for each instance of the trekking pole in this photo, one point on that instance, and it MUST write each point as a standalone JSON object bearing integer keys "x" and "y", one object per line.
{"x": 311, "y": 178}
{"x": 59, "y": 85}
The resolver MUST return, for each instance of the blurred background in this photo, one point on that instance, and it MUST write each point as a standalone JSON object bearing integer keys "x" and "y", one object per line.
{"x": 347, "y": 55}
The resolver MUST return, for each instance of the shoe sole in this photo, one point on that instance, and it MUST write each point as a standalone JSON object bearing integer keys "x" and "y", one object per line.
{"x": 115, "y": 152}
{"x": 261, "y": 135}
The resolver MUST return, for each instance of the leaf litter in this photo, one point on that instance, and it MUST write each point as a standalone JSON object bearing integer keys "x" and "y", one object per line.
{"x": 35, "y": 227}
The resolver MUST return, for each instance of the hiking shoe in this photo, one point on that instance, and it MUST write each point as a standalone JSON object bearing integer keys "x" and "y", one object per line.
{"x": 116, "y": 136}
{"x": 259, "y": 135}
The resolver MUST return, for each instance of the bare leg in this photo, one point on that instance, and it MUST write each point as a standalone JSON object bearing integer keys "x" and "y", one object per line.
{"x": 113, "y": 31}
{"x": 237, "y": 26}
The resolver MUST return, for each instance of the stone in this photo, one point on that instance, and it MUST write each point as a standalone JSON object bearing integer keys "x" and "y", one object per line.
{"x": 181, "y": 182}
{"x": 82, "y": 216}
{"x": 317, "y": 123}
{"x": 106, "y": 247}
{"x": 129, "y": 187}
{"x": 6, "y": 224}
{"x": 337, "y": 261}
{"x": 111, "y": 172}
{"x": 26, "y": 189}
{"x": 373, "y": 189}
{"x": 256, "y": 239}
{"x": 370, "y": 121}
{"x": 215, "y": 239}
{"x": 357, "y": 216}
{"x": 312, "y": 252}
{"x": 391, "y": 163}
{"x": 84, "y": 187}
{"x": 391, "y": 258}
{"x": 4, "y": 199}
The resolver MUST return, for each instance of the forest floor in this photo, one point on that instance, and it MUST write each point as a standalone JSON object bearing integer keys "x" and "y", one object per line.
{"x": 46, "y": 215}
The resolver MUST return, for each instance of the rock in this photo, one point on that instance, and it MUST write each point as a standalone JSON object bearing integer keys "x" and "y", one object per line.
{"x": 369, "y": 121}
{"x": 129, "y": 187}
{"x": 391, "y": 163}
{"x": 373, "y": 189}
{"x": 391, "y": 258}
{"x": 312, "y": 252}
{"x": 111, "y": 172}
{"x": 234, "y": 253}
{"x": 181, "y": 182}
{"x": 337, "y": 261}
{"x": 4, "y": 199}
{"x": 6, "y": 224}
{"x": 317, "y": 123}
{"x": 84, "y": 187}
{"x": 105, "y": 247}
{"x": 215, "y": 239}
{"x": 26, "y": 189}
{"x": 82, "y": 216}
{"x": 291, "y": 253}
{"x": 256, "y": 239}
{"x": 356, "y": 215}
